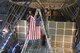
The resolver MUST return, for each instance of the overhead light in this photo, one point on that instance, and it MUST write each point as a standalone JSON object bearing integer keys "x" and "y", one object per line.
{"x": 5, "y": 30}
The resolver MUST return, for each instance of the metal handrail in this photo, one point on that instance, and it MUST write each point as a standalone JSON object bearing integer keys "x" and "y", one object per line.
{"x": 76, "y": 13}
{"x": 21, "y": 13}
{"x": 11, "y": 21}
{"x": 9, "y": 34}
{"x": 7, "y": 18}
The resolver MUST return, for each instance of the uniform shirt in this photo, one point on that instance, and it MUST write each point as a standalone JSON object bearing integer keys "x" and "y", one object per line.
{"x": 38, "y": 21}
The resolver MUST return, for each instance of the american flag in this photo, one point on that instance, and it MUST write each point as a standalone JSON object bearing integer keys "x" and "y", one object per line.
{"x": 34, "y": 32}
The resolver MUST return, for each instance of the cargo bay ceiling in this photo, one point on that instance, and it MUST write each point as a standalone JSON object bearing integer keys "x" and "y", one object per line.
{"x": 57, "y": 8}
{"x": 65, "y": 8}
{"x": 50, "y": 4}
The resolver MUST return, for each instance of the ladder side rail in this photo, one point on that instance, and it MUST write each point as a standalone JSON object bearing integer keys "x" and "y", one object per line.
{"x": 45, "y": 32}
{"x": 26, "y": 41}
{"x": 42, "y": 24}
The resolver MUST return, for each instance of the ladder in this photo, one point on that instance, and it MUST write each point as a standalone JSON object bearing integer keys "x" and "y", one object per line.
{"x": 31, "y": 49}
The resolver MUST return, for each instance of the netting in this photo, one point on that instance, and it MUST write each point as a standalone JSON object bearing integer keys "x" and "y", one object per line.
{"x": 62, "y": 35}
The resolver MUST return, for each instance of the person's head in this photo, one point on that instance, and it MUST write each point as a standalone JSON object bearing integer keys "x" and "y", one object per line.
{"x": 30, "y": 12}
{"x": 43, "y": 36}
{"x": 21, "y": 45}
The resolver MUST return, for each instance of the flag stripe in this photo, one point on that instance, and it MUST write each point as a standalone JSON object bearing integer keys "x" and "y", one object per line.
{"x": 34, "y": 31}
